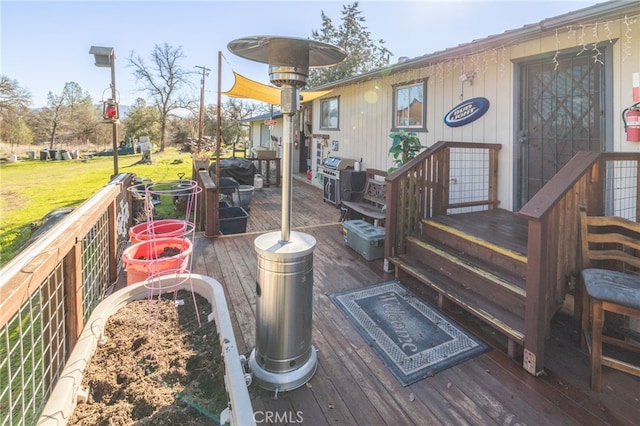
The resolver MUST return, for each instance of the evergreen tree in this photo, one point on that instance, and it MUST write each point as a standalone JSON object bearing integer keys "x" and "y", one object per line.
{"x": 363, "y": 53}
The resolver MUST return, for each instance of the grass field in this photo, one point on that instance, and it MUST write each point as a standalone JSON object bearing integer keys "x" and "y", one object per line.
{"x": 29, "y": 189}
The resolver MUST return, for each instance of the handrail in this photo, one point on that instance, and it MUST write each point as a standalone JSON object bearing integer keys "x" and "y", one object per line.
{"x": 421, "y": 188}
{"x": 208, "y": 214}
{"x": 433, "y": 149}
{"x": 20, "y": 277}
{"x": 553, "y": 225}
{"x": 552, "y": 192}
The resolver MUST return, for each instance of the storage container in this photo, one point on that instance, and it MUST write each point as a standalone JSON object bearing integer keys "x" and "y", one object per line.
{"x": 233, "y": 220}
{"x": 364, "y": 238}
{"x": 242, "y": 197}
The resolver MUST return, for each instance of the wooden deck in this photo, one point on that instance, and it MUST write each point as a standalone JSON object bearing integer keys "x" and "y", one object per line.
{"x": 353, "y": 387}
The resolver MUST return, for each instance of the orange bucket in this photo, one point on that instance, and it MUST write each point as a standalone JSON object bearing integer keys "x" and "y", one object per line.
{"x": 164, "y": 228}
{"x": 156, "y": 257}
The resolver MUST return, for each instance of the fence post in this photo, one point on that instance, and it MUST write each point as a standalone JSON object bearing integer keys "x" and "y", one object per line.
{"x": 113, "y": 241}
{"x": 73, "y": 293}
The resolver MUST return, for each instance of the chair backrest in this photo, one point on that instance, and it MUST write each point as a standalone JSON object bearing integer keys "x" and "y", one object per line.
{"x": 376, "y": 192}
{"x": 609, "y": 242}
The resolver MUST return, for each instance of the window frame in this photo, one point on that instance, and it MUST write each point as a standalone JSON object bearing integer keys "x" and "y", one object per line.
{"x": 327, "y": 125}
{"x": 422, "y": 127}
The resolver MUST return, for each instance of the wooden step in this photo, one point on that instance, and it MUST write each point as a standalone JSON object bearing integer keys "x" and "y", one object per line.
{"x": 481, "y": 306}
{"x": 476, "y": 247}
{"x": 471, "y": 274}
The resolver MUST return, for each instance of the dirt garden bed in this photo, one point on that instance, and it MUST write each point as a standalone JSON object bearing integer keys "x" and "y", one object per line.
{"x": 156, "y": 367}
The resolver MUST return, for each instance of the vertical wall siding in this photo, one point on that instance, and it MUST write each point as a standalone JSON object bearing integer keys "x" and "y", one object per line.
{"x": 365, "y": 107}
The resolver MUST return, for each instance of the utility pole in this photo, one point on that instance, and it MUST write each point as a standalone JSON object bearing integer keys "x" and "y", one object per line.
{"x": 205, "y": 72}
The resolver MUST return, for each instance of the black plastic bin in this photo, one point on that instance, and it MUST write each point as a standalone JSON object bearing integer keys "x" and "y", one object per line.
{"x": 233, "y": 220}
{"x": 44, "y": 155}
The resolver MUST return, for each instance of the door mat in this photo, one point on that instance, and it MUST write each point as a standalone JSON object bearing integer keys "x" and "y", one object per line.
{"x": 412, "y": 338}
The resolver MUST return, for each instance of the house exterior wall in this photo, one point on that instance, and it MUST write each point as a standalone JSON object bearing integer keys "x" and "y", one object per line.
{"x": 274, "y": 132}
{"x": 366, "y": 106}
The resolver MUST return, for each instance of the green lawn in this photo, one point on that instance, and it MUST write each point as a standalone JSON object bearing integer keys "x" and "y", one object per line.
{"x": 30, "y": 189}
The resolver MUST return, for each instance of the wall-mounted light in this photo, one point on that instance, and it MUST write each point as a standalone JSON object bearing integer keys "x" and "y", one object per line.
{"x": 467, "y": 77}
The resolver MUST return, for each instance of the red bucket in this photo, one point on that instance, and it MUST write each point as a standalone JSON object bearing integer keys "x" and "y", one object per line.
{"x": 165, "y": 228}
{"x": 156, "y": 257}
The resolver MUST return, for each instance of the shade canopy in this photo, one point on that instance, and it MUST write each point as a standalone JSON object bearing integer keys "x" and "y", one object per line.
{"x": 246, "y": 88}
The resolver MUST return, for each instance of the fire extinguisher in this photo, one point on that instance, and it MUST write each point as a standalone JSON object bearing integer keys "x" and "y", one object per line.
{"x": 631, "y": 120}
{"x": 309, "y": 175}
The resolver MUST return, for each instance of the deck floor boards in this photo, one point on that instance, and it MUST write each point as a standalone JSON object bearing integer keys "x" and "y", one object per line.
{"x": 352, "y": 386}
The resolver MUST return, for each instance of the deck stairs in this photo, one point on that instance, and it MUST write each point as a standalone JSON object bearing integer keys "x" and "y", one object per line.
{"x": 480, "y": 275}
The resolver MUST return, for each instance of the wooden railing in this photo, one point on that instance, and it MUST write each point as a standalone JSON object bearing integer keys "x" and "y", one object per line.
{"x": 208, "y": 214}
{"x": 607, "y": 184}
{"x": 448, "y": 177}
{"x": 49, "y": 290}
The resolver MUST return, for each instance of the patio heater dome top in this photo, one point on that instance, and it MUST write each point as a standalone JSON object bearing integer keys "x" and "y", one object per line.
{"x": 289, "y": 58}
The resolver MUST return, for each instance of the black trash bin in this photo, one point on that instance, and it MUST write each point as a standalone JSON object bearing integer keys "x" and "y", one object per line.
{"x": 44, "y": 154}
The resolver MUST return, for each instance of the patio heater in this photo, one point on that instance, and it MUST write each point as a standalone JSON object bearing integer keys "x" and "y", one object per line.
{"x": 284, "y": 358}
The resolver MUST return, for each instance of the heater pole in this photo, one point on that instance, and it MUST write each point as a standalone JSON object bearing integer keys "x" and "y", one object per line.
{"x": 289, "y": 101}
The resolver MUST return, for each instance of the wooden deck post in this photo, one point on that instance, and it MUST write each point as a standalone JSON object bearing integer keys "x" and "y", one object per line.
{"x": 534, "y": 312}
{"x": 73, "y": 292}
{"x": 112, "y": 213}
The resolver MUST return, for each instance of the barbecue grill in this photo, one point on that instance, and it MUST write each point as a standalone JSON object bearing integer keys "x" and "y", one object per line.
{"x": 331, "y": 172}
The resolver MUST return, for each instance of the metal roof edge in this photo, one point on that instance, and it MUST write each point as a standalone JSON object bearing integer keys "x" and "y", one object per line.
{"x": 274, "y": 115}
{"x": 611, "y": 9}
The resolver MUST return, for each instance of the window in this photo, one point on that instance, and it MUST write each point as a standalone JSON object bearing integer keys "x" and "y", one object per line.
{"x": 409, "y": 111}
{"x": 329, "y": 113}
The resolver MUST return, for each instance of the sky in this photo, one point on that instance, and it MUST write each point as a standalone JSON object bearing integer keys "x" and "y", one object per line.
{"x": 45, "y": 44}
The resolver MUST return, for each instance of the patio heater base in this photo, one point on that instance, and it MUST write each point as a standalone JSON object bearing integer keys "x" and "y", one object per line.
{"x": 282, "y": 382}
{"x": 284, "y": 358}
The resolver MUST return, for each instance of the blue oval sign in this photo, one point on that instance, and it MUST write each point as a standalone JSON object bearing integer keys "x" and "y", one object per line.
{"x": 466, "y": 112}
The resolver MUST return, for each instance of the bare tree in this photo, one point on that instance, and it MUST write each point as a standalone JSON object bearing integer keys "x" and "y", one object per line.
{"x": 13, "y": 98}
{"x": 54, "y": 107}
{"x": 233, "y": 112}
{"x": 163, "y": 80}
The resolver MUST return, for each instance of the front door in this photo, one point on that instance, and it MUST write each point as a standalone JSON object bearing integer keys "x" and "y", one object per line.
{"x": 560, "y": 112}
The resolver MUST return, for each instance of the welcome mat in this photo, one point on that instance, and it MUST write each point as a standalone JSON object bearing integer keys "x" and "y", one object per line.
{"x": 411, "y": 337}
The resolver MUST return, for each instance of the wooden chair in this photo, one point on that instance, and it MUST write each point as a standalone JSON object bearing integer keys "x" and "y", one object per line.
{"x": 370, "y": 204}
{"x": 610, "y": 266}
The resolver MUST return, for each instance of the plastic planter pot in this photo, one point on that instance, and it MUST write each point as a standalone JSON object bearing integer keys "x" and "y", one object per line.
{"x": 165, "y": 228}
{"x": 155, "y": 257}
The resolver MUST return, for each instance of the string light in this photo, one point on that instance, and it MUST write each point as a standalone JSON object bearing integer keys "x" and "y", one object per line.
{"x": 556, "y": 64}
{"x": 581, "y": 41}
{"x": 598, "y": 55}
{"x": 626, "y": 46}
